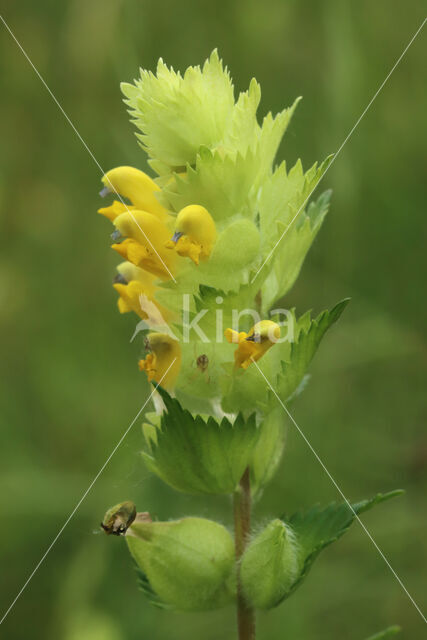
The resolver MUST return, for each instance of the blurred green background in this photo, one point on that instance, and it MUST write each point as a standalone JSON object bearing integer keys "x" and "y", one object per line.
{"x": 70, "y": 385}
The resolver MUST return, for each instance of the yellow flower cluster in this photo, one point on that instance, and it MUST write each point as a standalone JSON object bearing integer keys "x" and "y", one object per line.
{"x": 151, "y": 240}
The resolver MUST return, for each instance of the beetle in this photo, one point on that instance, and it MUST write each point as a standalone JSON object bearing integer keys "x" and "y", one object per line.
{"x": 119, "y": 518}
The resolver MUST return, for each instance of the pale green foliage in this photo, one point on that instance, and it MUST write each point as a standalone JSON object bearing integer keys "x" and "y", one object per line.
{"x": 210, "y": 150}
{"x": 287, "y": 231}
{"x": 282, "y": 195}
{"x": 244, "y": 124}
{"x": 293, "y": 242}
{"x": 221, "y": 182}
{"x": 270, "y": 135}
{"x": 226, "y": 179}
{"x": 177, "y": 114}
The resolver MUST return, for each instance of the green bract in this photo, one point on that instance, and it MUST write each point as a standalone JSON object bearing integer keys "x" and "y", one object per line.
{"x": 177, "y": 114}
{"x": 210, "y": 150}
{"x": 198, "y": 454}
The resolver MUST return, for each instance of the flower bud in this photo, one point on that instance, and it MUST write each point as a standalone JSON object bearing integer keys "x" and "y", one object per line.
{"x": 270, "y": 565}
{"x": 189, "y": 563}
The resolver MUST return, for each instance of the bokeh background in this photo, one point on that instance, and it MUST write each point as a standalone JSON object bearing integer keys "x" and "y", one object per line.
{"x": 70, "y": 385}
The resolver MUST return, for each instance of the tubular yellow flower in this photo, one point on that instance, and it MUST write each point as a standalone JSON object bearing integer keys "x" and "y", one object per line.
{"x": 164, "y": 356}
{"x": 254, "y": 344}
{"x": 137, "y": 186}
{"x": 145, "y": 241}
{"x": 129, "y": 296}
{"x": 137, "y": 289}
{"x": 195, "y": 233}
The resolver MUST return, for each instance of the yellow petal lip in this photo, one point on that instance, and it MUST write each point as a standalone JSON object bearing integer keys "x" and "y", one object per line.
{"x": 111, "y": 212}
{"x": 137, "y": 292}
{"x": 254, "y": 344}
{"x": 137, "y": 186}
{"x": 195, "y": 233}
{"x": 129, "y": 297}
{"x": 186, "y": 248}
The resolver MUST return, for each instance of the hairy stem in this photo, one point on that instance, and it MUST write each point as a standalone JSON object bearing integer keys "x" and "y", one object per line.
{"x": 242, "y": 524}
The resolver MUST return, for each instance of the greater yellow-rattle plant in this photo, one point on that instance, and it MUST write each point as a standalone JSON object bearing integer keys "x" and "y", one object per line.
{"x": 198, "y": 248}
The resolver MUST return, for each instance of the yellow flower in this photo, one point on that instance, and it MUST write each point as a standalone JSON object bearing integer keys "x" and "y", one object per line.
{"x": 135, "y": 185}
{"x": 163, "y": 362}
{"x": 195, "y": 233}
{"x": 144, "y": 245}
{"x": 137, "y": 289}
{"x": 254, "y": 344}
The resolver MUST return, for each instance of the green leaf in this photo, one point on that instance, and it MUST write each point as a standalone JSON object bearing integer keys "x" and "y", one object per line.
{"x": 318, "y": 527}
{"x": 278, "y": 558}
{"x": 198, "y": 455}
{"x": 387, "y": 633}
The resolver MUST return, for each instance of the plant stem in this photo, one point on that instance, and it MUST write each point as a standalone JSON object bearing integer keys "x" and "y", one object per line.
{"x": 242, "y": 524}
